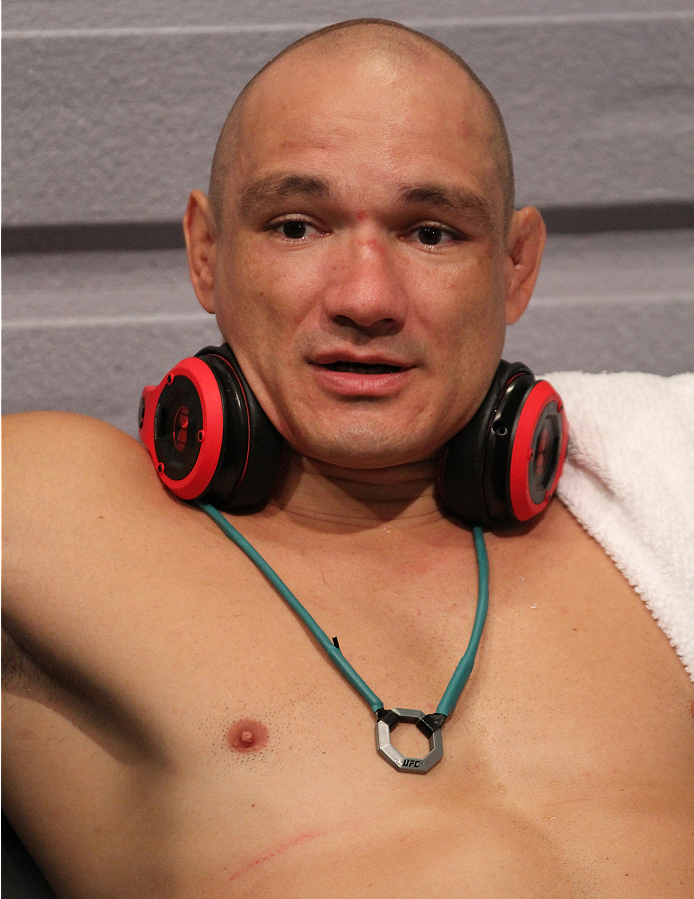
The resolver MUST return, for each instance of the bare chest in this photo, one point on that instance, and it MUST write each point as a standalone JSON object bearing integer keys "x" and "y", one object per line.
{"x": 559, "y": 738}
{"x": 570, "y": 657}
{"x": 575, "y": 700}
{"x": 571, "y": 673}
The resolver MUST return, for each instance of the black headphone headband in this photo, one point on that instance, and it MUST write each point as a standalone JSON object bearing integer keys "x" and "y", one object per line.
{"x": 211, "y": 441}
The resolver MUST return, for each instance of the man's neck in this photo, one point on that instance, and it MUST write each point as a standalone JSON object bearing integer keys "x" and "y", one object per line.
{"x": 321, "y": 496}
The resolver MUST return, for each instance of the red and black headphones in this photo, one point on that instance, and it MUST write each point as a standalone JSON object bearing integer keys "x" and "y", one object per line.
{"x": 211, "y": 441}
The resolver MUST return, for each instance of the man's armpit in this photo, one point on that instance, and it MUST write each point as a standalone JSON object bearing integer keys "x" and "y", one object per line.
{"x": 21, "y": 674}
{"x": 24, "y": 676}
{"x": 89, "y": 708}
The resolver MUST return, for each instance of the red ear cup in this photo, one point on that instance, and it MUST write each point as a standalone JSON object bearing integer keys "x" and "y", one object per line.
{"x": 182, "y": 426}
{"x": 207, "y": 435}
{"x": 505, "y": 464}
{"x": 538, "y": 451}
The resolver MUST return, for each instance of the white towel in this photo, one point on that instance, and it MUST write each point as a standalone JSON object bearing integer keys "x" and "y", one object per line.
{"x": 629, "y": 480}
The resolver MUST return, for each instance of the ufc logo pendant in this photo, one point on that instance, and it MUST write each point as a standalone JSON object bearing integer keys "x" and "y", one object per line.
{"x": 388, "y": 721}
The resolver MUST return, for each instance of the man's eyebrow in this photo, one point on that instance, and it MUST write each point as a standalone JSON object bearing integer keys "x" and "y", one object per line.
{"x": 452, "y": 199}
{"x": 274, "y": 187}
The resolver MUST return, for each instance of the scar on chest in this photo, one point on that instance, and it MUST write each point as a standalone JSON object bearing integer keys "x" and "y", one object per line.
{"x": 247, "y": 735}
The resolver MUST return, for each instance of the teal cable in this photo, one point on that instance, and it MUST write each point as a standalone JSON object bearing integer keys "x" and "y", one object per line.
{"x": 464, "y": 667}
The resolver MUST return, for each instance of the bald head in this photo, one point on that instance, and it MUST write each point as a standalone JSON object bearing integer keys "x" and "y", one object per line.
{"x": 361, "y": 38}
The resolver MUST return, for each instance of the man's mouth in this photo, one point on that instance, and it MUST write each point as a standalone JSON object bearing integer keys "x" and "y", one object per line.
{"x": 362, "y": 368}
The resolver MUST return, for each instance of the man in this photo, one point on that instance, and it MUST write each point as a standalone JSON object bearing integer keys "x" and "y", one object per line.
{"x": 171, "y": 729}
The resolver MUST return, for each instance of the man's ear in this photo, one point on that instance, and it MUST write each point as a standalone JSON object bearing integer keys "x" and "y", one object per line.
{"x": 524, "y": 245}
{"x": 200, "y": 232}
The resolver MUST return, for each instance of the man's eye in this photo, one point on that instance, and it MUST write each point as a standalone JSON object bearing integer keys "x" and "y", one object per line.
{"x": 295, "y": 229}
{"x": 431, "y": 235}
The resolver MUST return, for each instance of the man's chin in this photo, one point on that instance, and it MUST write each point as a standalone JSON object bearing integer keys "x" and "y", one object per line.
{"x": 366, "y": 451}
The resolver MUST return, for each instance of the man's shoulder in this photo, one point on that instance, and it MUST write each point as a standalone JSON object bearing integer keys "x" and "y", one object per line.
{"x": 82, "y": 505}
{"x": 60, "y": 470}
{"x": 47, "y": 455}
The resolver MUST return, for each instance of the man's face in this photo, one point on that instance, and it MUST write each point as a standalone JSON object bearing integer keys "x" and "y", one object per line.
{"x": 361, "y": 272}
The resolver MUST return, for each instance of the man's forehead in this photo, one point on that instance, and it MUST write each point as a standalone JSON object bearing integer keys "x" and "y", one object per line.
{"x": 312, "y": 69}
{"x": 315, "y": 100}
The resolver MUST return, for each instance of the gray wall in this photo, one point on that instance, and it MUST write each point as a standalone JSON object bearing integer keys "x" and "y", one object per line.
{"x": 111, "y": 111}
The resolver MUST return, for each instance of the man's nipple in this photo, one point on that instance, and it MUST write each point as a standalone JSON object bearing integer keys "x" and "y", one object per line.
{"x": 247, "y": 735}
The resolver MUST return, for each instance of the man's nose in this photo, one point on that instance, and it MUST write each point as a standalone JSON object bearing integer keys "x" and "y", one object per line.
{"x": 367, "y": 291}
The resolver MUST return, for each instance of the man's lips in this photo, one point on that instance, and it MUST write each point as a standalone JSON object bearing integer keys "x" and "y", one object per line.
{"x": 363, "y": 368}
{"x": 371, "y": 377}
{"x": 347, "y": 359}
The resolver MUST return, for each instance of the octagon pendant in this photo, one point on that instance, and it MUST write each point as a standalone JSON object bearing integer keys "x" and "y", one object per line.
{"x": 396, "y": 758}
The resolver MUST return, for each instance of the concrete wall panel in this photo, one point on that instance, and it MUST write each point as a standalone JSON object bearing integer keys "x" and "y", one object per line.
{"x": 46, "y": 15}
{"x": 118, "y": 124}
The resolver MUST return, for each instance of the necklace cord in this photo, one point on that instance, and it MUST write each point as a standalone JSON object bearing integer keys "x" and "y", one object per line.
{"x": 464, "y": 667}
